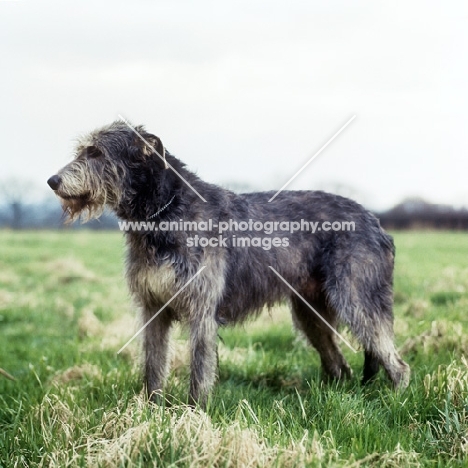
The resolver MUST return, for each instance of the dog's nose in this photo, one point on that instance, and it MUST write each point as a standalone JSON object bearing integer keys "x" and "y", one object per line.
{"x": 54, "y": 182}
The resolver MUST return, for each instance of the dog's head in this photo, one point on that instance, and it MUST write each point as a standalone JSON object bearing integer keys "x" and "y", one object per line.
{"x": 113, "y": 165}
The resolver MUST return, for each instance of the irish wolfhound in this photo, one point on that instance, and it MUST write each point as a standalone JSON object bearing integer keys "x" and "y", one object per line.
{"x": 344, "y": 275}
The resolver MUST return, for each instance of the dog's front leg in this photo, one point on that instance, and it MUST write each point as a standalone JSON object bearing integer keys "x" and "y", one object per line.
{"x": 156, "y": 346}
{"x": 203, "y": 335}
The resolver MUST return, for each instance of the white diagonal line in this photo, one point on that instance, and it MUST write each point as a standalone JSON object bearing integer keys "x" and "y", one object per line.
{"x": 161, "y": 309}
{"x": 311, "y": 308}
{"x": 163, "y": 159}
{"x": 312, "y": 158}
{"x": 6, "y": 374}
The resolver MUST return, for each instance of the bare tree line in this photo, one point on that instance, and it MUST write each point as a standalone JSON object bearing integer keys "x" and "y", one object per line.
{"x": 416, "y": 213}
{"x": 22, "y": 208}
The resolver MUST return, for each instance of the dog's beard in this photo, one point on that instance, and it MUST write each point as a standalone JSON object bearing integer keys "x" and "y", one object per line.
{"x": 82, "y": 206}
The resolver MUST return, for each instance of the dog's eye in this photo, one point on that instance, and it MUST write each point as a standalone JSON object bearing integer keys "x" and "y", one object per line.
{"x": 93, "y": 152}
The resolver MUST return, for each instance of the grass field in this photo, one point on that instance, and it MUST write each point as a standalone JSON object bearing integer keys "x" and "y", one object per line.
{"x": 65, "y": 311}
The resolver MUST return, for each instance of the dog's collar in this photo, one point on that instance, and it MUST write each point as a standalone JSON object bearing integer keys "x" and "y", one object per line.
{"x": 161, "y": 209}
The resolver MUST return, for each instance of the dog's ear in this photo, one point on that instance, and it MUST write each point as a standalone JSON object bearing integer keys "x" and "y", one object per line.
{"x": 153, "y": 146}
{"x": 168, "y": 180}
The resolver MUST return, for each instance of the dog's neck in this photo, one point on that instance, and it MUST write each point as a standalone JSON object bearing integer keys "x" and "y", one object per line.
{"x": 161, "y": 209}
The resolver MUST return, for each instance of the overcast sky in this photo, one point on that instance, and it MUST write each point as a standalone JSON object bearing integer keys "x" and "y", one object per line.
{"x": 247, "y": 91}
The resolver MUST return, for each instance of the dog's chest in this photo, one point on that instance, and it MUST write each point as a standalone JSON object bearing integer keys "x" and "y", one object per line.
{"x": 151, "y": 284}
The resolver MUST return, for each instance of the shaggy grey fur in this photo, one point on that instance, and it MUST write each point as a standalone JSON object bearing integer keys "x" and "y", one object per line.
{"x": 346, "y": 276}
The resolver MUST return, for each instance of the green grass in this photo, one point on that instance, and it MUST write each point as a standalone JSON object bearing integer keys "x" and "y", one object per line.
{"x": 65, "y": 311}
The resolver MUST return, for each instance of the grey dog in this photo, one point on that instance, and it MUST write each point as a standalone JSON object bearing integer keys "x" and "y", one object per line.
{"x": 345, "y": 275}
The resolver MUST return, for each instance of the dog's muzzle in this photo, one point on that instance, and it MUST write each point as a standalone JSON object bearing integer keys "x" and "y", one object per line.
{"x": 54, "y": 182}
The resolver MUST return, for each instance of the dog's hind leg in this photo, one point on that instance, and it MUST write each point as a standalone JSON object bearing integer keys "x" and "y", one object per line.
{"x": 323, "y": 339}
{"x": 156, "y": 346}
{"x": 380, "y": 349}
{"x": 371, "y": 367}
{"x": 203, "y": 349}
